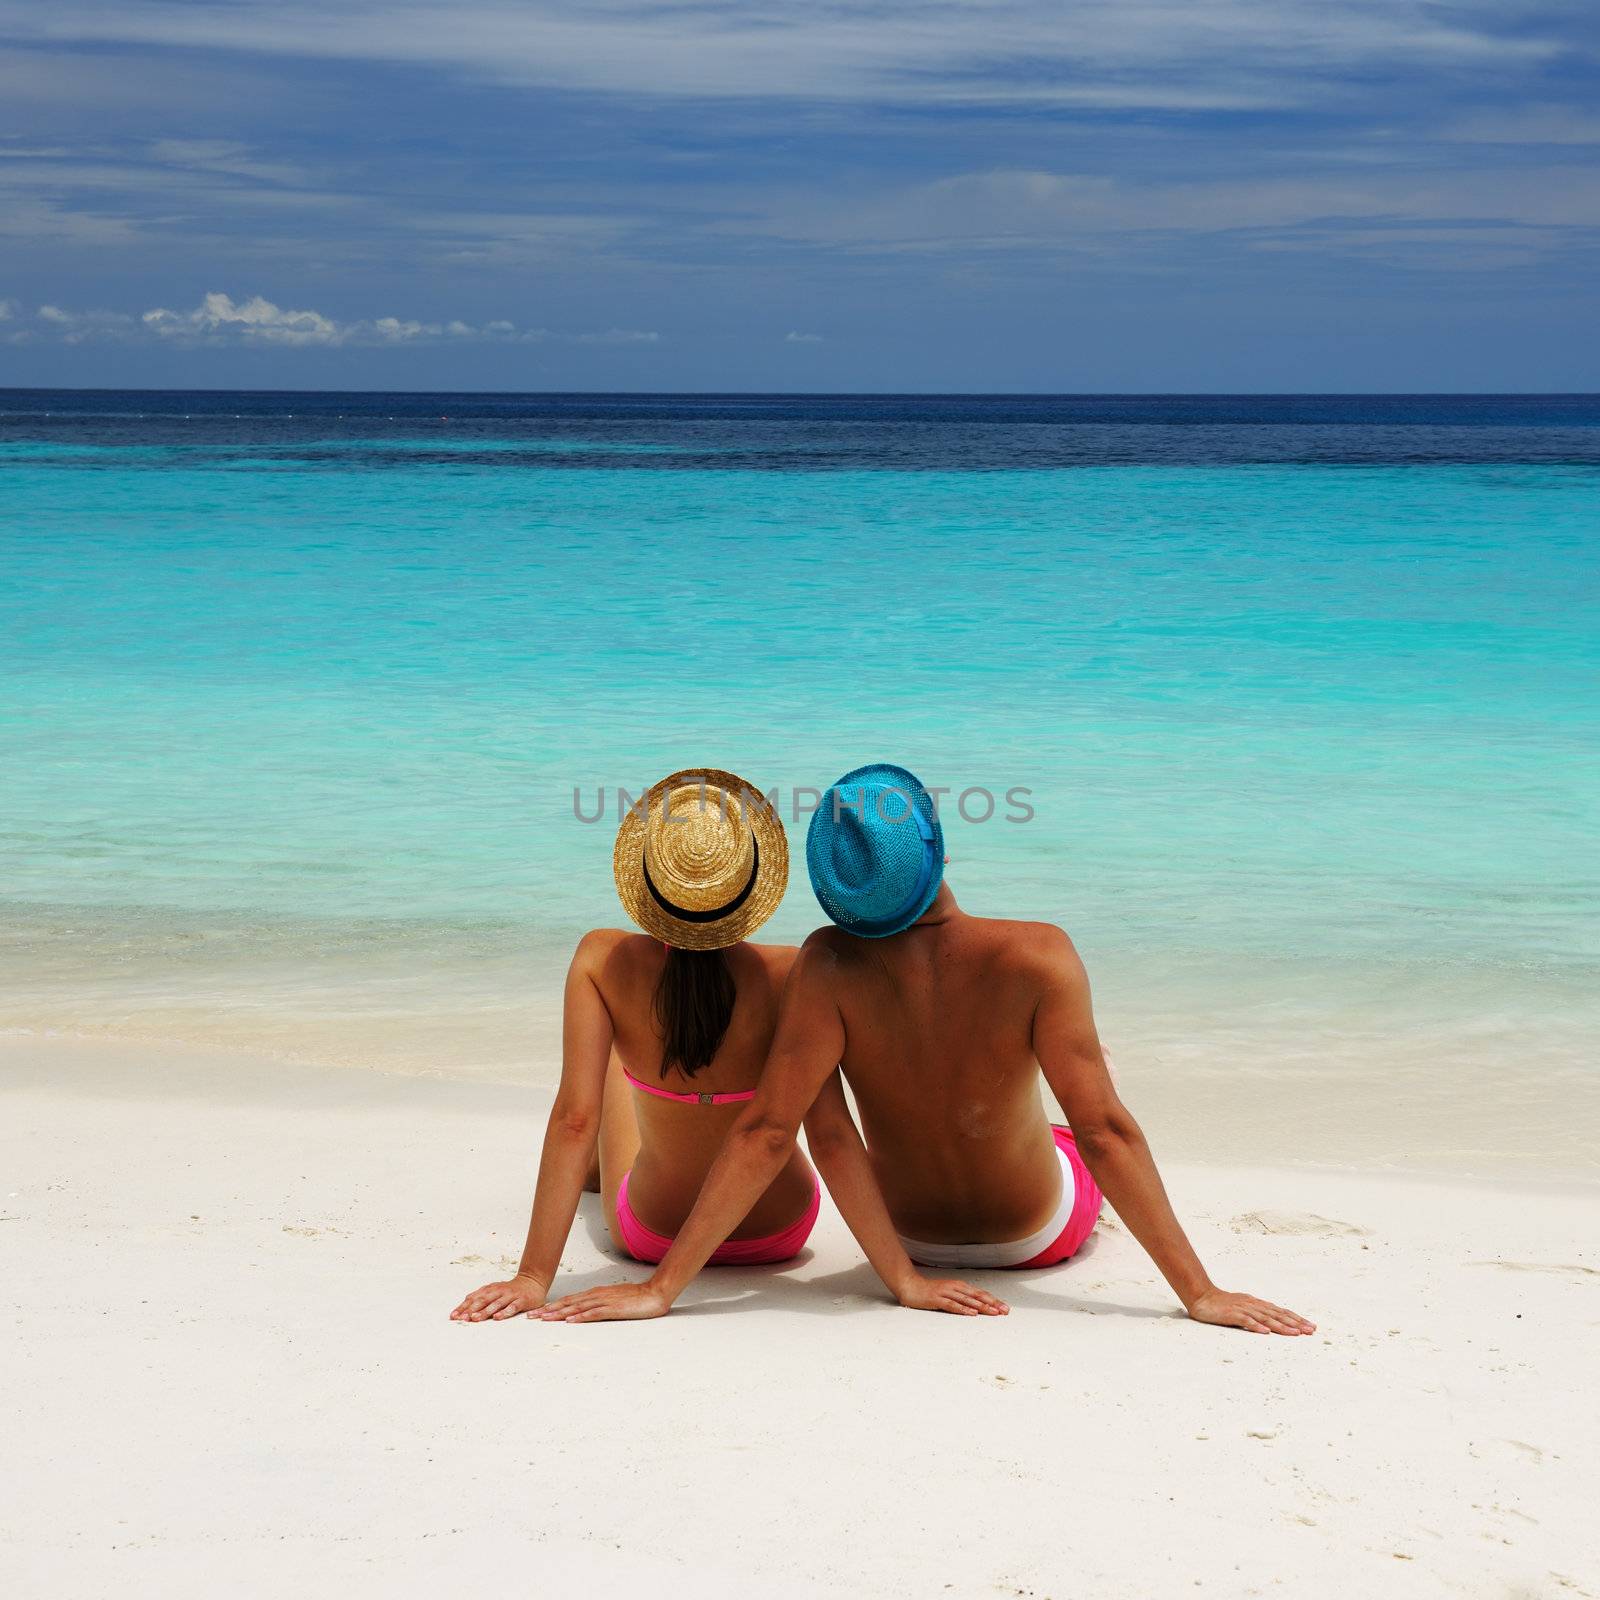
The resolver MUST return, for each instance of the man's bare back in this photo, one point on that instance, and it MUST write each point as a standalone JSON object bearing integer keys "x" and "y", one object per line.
{"x": 938, "y": 1029}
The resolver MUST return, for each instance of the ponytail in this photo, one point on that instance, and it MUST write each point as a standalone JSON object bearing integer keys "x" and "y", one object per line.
{"x": 693, "y": 1006}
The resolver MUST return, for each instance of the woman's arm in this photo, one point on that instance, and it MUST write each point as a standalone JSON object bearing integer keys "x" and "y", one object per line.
{"x": 805, "y": 1051}
{"x": 569, "y": 1142}
{"x": 841, "y": 1157}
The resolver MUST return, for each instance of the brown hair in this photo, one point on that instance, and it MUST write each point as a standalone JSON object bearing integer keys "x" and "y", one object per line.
{"x": 693, "y": 1005}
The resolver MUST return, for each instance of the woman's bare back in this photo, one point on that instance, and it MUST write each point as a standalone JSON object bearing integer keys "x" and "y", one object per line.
{"x": 678, "y": 1142}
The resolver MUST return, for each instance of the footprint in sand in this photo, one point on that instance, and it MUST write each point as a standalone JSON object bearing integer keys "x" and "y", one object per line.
{"x": 1298, "y": 1224}
{"x": 1539, "y": 1266}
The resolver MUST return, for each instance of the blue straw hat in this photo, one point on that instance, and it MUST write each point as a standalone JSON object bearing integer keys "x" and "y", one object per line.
{"x": 875, "y": 850}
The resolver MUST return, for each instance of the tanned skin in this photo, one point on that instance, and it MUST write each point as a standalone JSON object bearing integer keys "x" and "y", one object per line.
{"x": 942, "y": 1032}
{"x": 601, "y": 1128}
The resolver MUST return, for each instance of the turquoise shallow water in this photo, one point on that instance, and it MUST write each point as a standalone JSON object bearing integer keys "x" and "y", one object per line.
{"x": 293, "y": 719}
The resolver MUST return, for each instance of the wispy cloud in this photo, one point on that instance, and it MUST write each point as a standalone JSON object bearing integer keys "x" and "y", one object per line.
{"x": 28, "y": 217}
{"x": 1135, "y": 53}
{"x": 493, "y": 237}
{"x": 226, "y": 157}
{"x": 73, "y": 327}
{"x": 210, "y": 191}
{"x": 1551, "y": 125}
{"x": 219, "y": 319}
{"x": 802, "y": 338}
{"x": 1018, "y": 212}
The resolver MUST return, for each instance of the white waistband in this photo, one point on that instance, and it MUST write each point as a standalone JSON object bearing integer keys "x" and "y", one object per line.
{"x": 1011, "y": 1253}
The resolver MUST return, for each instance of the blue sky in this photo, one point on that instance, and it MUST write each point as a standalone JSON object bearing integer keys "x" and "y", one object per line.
{"x": 1094, "y": 195}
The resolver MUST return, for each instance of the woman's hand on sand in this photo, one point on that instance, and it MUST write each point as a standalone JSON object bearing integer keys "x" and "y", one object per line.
{"x": 621, "y": 1302}
{"x": 1229, "y": 1310}
{"x": 494, "y": 1302}
{"x": 950, "y": 1294}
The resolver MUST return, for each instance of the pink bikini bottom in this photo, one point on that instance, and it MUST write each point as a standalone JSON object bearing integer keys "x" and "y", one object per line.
{"x": 644, "y": 1244}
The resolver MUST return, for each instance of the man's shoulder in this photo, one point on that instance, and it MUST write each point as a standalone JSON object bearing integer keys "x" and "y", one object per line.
{"x": 1012, "y": 931}
{"x": 828, "y": 947}
{"x": 1035, "y": 947}
{"x": 831, "y": 959}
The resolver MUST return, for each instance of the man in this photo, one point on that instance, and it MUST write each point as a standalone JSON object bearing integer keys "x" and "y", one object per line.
{"x": 941, "y": 1023}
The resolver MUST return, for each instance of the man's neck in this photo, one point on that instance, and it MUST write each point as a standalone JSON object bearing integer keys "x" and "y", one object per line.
{"x": 943, "y": 909}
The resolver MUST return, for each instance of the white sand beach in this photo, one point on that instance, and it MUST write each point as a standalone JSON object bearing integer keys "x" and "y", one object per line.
{"x": 230, "y": 1371}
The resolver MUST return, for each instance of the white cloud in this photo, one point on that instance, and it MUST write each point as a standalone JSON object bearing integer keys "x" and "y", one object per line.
{"x": 617, "y": 336}
{"x": 253, "y": 319}
{"x": 391, "y": 330}
{"x": 802, "y": 338}
{"x": 220, "y": 319}
{"x": 395, "y": 330}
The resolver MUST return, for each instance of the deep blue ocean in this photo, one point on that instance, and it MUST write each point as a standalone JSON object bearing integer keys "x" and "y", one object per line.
{"x": 296, "y": 689}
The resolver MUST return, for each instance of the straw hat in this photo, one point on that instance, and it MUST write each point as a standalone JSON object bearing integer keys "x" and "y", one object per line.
{"x": 701, "y": 861}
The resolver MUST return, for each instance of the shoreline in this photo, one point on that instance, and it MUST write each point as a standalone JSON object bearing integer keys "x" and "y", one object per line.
{"x": 226, "y": 1265}
{"x": 1196, "y": 1112}
{"x": 98, "y": 1064}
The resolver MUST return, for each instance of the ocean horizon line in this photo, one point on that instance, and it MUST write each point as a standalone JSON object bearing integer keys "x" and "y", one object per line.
{"x": 826, "y": 394}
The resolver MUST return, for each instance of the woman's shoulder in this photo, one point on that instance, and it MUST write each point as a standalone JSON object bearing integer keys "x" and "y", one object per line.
{"x": 600, "y": 946}
{"x": 776, "y": 959}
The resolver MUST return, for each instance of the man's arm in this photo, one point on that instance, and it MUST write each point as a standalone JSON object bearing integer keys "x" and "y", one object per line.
{"x": 1114, "y": 1149}
{"x": 805, "y": 1049}
{"x": 841, "y": 1158}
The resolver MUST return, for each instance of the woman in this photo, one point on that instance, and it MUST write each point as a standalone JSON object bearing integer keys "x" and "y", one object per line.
{"x": 664, "y": 1037}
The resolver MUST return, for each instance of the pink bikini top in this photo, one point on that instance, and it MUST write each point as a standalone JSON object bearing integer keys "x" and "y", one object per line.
{"x": 690, "y": 1099}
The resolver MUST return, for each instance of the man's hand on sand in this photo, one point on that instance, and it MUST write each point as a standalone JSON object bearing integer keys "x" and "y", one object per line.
{"x": 1229, "y": 1310}
{"x": 494, "y": 1302}
{"x": 620, "y": 1302}
{"x": 952, "y": 1295}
